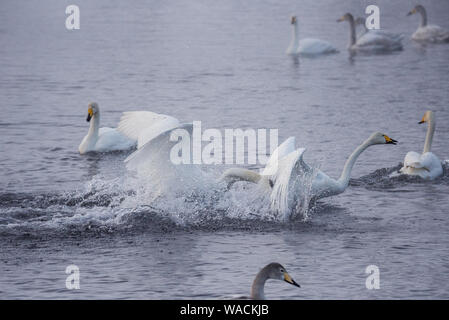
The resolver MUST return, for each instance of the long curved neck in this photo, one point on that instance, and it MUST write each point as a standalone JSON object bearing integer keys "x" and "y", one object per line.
{"x": 352, "y": 35}
{"x": 423, "y": 13}
{"x": 94, "y": 126}
{"x": 429, "y": 135}
{"x": 343, "y": 181}
{"x": 257, "y": 289}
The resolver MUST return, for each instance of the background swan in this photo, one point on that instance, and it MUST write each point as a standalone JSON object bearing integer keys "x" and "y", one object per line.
{"x": 102, "y": 139}
{"x": 426, "y": 165}
{"x": 290, "y": 178}
{"x": 274, "y": 271}
{"x": 428, "y": 33}
{"x": 395, "y": 37}
{"x": 370, "y": 42}
{"x": 308, "y": 46}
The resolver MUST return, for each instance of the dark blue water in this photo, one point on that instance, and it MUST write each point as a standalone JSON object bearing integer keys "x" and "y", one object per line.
{"x": 224, "y": 64}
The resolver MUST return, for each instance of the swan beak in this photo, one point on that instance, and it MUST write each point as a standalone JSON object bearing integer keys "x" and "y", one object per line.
{"x": 89, "y": 114}
{"x": 422, "y": 120}
{"x": 289, "y": 279}
{"x": 341, "y": 19}
{"x": 388, "y": 140}
{"x": 411, "y": 12}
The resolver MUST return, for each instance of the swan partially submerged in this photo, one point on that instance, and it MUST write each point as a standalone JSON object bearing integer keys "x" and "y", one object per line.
{"x": 370, "y": 42}
{"x": 102, "y": 139}
{"x": 428, "y": 32}
{"x": 288, "y": 176}
{"x": 308, "y": 46}
{"x": 426, "y": 165}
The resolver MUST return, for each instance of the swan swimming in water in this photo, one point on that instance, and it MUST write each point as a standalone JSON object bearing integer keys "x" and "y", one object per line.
{"x": 281, "y": 176}
{"x": 102, "y": 139}
{"x": 370, "y": 42}
{"x": 308, "y": 46}
{"x": 427, "y": 32}
{"x": 426, "y": 165}
{"x": 273, "y": 271}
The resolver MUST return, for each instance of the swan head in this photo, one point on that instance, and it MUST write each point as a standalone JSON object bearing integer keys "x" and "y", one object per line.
{"x": 277, "y": 272}
{"x": 293, "y": 20}
{"x": 416, "y": 9}
{"x": 380, "y": 138}
{"x": 92, "y": 110}
{"x": 346, "y": 17}
{"x": 428, "y": 116}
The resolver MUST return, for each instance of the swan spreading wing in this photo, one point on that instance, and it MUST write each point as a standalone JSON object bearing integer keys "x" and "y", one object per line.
{"x": 144, "y": 126}
{"x": 290, "y": 168}
{"x": 280, "y": 152}
{"x": 426, "y": 165}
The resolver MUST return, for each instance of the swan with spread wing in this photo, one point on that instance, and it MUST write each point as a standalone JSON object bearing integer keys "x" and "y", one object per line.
{"x": 286, "y": 173}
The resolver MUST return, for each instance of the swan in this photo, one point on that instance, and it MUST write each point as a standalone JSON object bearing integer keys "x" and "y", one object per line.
{"x": 426, "y": 165}
{"x": 308, "y": 46}
{"x": 370, "y": 42}
{"x": 102, "y": 139}
{"x": 274, "y": 271}
{"x": 428, "y": 33}
{"x": 282, "y": 181}
{"x": 378, "y": 32}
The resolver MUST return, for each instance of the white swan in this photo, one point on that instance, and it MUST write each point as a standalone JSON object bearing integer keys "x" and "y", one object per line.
{"x": 370, "y": 42}
{"x": 394, "y": 37}
{"x": 102, "y": 139}
{"x": 308, "y": 46}
{"x": 288, "y": 180}
{"x": 426, "y": 165}
{"x": 427, "y": 32}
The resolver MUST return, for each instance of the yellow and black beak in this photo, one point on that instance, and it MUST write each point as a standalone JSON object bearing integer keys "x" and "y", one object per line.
{"x": 388, "y": 140}
{"x": 289, "y": 279}
{"x": 341, "y": 19}
{"x": 90, "y": 113}
{"x": 422, "y": 121}
{"x": 411, "y": 12}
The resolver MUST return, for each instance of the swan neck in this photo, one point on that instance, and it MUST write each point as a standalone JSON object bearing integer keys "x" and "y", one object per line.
{"x": 295, "y": 36}
{"x": 352, "y": 34}
{"x": 257, "y": 289}
{"x": 429, "y": 135}
{"x": 423, "y": 13}
{"x": 343, "y": 181}
{"x": 94, "y": 126}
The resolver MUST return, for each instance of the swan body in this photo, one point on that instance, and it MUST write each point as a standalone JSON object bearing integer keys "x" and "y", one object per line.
{"x": 371, "y": 42}
{"x": 426, "y": 165}
{"x": 394, "y": 38}
{"x": 428, "y": 33}
{"x": 102, "y": 139}
{"x": 308, "y": 46}
{"x": 288, "y": 181}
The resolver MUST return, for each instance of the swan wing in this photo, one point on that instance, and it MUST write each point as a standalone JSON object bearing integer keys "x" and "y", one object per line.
{"x": 413, "y": 159}
{"x": 158, "y": 149}
{"x": 291, "y": 166}
{"x": 426, "y": 165}
{"x": 280, "y": 152}
{"x": 145, "y": 125}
